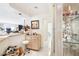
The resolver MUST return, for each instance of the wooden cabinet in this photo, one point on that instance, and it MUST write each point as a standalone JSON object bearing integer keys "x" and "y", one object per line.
{"x": 35, "y": 42}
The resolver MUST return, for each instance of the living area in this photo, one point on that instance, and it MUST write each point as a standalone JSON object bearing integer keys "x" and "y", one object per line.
{"x": 24, "y": 29}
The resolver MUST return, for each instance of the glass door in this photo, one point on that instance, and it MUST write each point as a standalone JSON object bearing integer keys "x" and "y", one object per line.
{"x": 71, "y": 32}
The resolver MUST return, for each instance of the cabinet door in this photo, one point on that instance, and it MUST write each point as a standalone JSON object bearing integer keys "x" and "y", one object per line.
{"x": 30, "y": 44}
{"x": 34, "y": 43}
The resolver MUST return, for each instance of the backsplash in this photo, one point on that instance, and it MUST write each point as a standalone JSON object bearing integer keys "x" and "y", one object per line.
{"x": 67, "y": 29}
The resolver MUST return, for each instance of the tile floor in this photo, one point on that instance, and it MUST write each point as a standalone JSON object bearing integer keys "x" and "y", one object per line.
{"x": 41, "y": 52}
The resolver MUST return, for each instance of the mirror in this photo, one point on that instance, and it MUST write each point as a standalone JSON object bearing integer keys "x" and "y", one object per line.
{"x": 75, "y": 28}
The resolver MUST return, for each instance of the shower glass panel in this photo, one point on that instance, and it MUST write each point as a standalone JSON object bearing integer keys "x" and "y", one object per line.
{"x": 71, "y": 35}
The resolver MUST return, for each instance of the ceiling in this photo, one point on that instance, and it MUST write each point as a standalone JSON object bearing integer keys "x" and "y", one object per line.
{"x": 9, "y": 14}
{"x": 32, "y": 9}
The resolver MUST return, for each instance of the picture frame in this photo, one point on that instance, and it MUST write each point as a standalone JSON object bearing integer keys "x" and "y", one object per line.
{"x": 35, "y": 24}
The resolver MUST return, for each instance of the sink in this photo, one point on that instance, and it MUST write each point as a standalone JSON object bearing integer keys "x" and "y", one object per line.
{"x": 25, "y": 42}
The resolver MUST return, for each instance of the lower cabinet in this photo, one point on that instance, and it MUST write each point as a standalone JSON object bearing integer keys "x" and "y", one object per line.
{"x": 35, "y": 42}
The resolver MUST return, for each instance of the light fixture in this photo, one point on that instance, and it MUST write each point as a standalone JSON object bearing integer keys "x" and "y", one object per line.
{"x": 25, "y": 42}
{"x": 36, "y": 7}
{"x": 69, "y": 8}
{"x": 20, "y": 14}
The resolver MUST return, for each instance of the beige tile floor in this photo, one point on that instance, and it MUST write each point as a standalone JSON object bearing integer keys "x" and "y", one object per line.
{"x": 42, "y": 52}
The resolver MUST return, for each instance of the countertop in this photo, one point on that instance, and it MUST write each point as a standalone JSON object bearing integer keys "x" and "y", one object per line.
{"x": 9, "y": 35}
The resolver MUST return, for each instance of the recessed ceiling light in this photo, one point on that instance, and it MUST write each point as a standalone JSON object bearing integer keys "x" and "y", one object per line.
{"x": 35, "y": 7}
{"x": 20, "y": 14}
